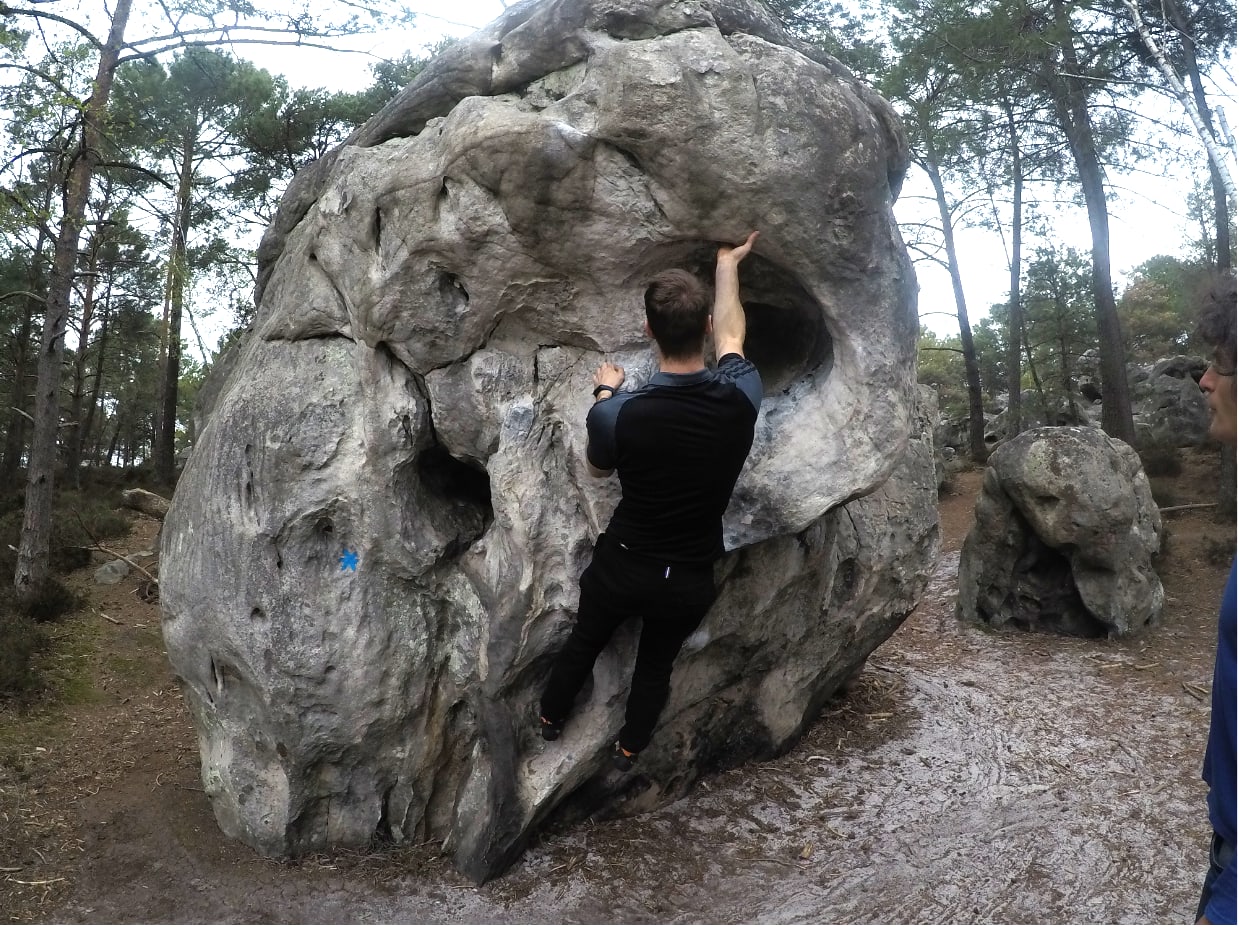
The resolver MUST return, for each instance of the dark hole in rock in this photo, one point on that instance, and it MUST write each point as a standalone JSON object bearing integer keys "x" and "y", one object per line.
{"x": 844, "y": 586}
{"x": 383, "y": 829}
{"x": 465, "y": 488}
{"x": 1045, "y": 597}
{"x": 786, "y": 335}
{"x": 452, "y": 290}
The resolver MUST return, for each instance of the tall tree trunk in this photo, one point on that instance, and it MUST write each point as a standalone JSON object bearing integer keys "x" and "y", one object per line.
{"x": 1221, "y": 206}
{"x": 1063, "y": 336}
{"x": 77, "y": 392}
{"x": 33, "y": 565}
{"x": 1032, "y": 371}
{"x": 97, "y": 385}
{"x": 972, "y": 370}
{"x": 165, "y": 450}
{"x": 1015, "y": 321}
{"x": 1198, "y": 112}
{"x": 15, "y": 436}
{"x": 115, "y": 440}
{"x": 1071, "y": 108}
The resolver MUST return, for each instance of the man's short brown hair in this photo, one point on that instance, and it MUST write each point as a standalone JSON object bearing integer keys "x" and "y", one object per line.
{"x": 677, "y": 307}
{"x": 1216, "y": 327}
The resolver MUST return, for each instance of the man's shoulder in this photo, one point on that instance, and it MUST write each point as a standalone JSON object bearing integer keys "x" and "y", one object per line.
{"x": 734, "y": 364}
{"x": 742, "y": 373}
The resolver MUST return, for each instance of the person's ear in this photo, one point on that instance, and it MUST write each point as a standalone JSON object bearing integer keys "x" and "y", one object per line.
{"x": 645, "y": 327}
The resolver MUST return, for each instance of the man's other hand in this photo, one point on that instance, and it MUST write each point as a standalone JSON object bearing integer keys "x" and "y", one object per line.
{"x": 609, "y": 374}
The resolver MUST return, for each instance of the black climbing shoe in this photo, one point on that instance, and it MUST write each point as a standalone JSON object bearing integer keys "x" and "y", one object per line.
{"x": 621, "y": 759}
{"x": 551, "y": 729}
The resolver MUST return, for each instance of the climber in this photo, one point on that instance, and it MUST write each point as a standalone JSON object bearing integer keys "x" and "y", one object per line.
{"x": 678, "y": 444}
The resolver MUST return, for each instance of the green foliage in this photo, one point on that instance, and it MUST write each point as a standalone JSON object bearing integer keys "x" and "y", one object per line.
{"x": 54, "y": 600}
{"x": 1159, "y": 307}
{"x": 80, "y": 518}
{"x": 294, "y": 127}
{"x": 389, "y": 78}
{"x": 22, "y": 640}
{"x": 1057, "y": 297}
{"x": 843, "y": 30}
{"x": 989, "y": 341}
{"x": 940, "y": 364}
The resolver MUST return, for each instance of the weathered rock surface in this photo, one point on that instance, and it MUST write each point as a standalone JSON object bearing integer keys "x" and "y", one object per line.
{"x": 148, "y": 503}
{"x": 1066, "y": 528}
{"x": 111, "y": 573}
{"x": 1168, "y": 408}
{"x": 374, "y": 549}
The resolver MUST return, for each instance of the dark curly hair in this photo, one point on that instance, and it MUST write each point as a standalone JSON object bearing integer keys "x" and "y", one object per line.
{"x": 1216, "y": 326}
{"x": 677, "y": 306}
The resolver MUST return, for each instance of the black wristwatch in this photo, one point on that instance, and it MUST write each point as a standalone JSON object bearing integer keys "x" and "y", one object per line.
{"x": 602, "y": 386}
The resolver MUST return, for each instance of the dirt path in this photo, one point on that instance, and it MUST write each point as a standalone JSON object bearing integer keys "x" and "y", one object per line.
{"x": 968, "y": 777}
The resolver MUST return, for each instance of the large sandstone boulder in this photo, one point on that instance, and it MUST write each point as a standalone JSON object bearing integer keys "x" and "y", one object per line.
{"x": 1168, "y": 408}
{"x": 1066, "y": 528}
{"x": 374, "y": 550}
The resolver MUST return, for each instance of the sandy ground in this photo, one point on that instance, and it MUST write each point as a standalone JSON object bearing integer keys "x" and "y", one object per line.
{"x": 968, "y": 777}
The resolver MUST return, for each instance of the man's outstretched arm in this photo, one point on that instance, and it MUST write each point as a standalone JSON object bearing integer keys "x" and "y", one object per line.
{"x": 728, "y": 323}
{"x": 600, "y": 429}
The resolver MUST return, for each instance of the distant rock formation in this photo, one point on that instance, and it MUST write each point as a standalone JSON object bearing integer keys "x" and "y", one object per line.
{"x": 374, "y": 550}
{"x": 1066, "y": 528}
{"x": 1168, "y": 407}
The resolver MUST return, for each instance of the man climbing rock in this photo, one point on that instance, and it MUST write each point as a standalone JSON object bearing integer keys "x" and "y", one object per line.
{"x": 678, "y": 444}
{"x": 1217, "y": 897}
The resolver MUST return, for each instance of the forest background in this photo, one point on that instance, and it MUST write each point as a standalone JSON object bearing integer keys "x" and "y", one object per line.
{"x": 144, "y": 150}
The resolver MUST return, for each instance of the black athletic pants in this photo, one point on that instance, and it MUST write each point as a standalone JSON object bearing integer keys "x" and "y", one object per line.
{"x": 670, "y": 598}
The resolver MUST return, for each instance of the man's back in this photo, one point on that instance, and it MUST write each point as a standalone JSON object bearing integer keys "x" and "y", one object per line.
{"x": 678, "y": 445}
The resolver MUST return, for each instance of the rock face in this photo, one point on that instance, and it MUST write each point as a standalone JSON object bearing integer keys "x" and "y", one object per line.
{"x": 1167, "y": 405}
{"x": 1066, "y": 528}
{"x": 373, "y": 552}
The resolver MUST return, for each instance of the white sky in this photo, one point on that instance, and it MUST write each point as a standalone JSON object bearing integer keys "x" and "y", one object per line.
{"x": 1147, "y": 214}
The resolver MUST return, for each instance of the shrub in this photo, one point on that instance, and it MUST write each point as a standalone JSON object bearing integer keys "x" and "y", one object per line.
{"x": 21, "y": 642}
{"x": 79, "y": 518}
{"x": 1165, "y": 491}
{"x": 54, "y": 600}
{"x": 1219, "y": 551}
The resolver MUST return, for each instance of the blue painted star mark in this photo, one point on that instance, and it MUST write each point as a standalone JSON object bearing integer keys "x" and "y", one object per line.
{"x": 348, "y": 560}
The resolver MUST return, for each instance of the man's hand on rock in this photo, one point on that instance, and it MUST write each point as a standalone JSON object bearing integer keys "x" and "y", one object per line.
{"x": 739, "y": 252}
{"x": 609, "y": 374}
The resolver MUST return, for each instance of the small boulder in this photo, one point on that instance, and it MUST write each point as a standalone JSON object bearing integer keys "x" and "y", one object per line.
{"x": 111, "y": 573}
{"x": 148, "y": 503}
{"x": 1168, "y": 407}
{"x": 1066, "y": 528}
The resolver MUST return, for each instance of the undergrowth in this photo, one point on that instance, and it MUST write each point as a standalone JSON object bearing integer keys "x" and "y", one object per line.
{"x": 32, "y": 660}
